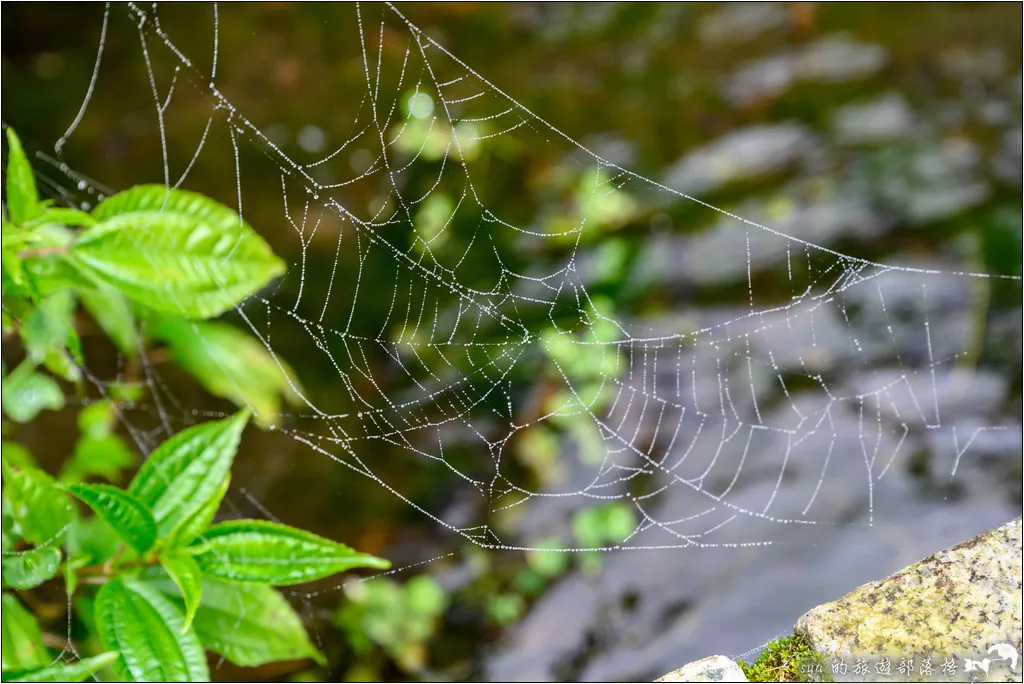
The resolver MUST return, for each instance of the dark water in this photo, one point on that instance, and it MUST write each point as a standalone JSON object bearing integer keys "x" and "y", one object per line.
{"x": 889, "y": 134}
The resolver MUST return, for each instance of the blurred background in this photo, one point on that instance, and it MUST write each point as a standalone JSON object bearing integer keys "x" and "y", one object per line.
{"x": 890, "y": 133}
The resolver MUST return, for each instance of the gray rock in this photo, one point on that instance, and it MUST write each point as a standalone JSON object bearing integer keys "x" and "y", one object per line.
{"x": 712, "y": 669}
{"x": 748, "y": 153}
{"x": 1008, "y": 164}
{"x": 722, "y": 251}
{"x": 832, "y": 59}
{"x": 962, "y": 604}
{"x": 742, "y": 21}
{"x": 881, "y": 119}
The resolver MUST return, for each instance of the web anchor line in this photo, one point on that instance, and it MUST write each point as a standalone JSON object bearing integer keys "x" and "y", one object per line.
{"x": 716, "y": 431}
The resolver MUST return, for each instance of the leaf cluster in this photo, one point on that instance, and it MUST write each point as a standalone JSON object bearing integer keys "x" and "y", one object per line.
{"x": 145, "y": 567}
{"x": 163, "y": 584}
{"x": 150, "y": 266}
{"x": 400, "y": 619}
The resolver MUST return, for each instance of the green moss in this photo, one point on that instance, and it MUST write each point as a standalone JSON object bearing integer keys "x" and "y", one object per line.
{"x": 788, "y": 659}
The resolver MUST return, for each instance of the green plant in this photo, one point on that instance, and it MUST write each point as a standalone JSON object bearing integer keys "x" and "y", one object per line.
{"x": 152, "y": 579}
{"x": 399, "y": 619}
{"x": 787, "y": 659}
{"x": 606, "y": 525}
{"x": 149, "y": 265}
{"x": 159, "y": 582}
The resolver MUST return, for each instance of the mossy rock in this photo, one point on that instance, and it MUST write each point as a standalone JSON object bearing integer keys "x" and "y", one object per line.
{"x": 787, "y": 659}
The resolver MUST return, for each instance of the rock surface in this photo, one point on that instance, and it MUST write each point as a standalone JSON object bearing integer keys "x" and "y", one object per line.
{"x": 712, "y": 669}
{"x": 961, "y": 605}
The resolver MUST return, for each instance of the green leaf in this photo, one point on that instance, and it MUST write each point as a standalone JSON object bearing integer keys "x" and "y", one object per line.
{"x": 249, "y": 624}
{"x": 17, "y": 236}
{"x": 183, "y": 570}
{"x": 586, "y": 526}
{"x": 48, "y": 274}
{"x": 113, "y": 313}
{"x": 22, "y": 646}
{"x": 48, "y": 332}
{"x": 105, "y": 456}
{"x": 40, "y": 508}
{"x": 146, "y": 628}
{"x": 22, "y": 198}
{"x": 270, "y": 553}
{"x": 16, "y": 454}
{"x": 78, "y": 671}
{"x": 43, "y": 267}
{"x": 97, "y": 419}
{"x": 129, "y": 518}
{"x": 71, "y": 568}
{"x": 187, "y": 470}
{"x": 11, "y": 530}
{"x": 619, "y": 522}
{"x": 424, "y": 596}
{"x": 26, "y": 393}
{"x": 27, "y": 569}
{"x": 62, "y": 216}
{"x": 547, "y": 558}
{"x": 99, "y": 451}
{"x": 14, "y": 238}
{"x": 193, "y": 526}
{"x": 176, "y": 252}
{"x": 12, "y": 270}
{"x": 230, "y": 364}
{"x": 94, "y": 539}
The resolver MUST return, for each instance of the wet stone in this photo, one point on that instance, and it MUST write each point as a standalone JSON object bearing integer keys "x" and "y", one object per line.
{"x": 959, "y": 609}
{"x": 712, "y": 669}
{"x": 884, "y": 118}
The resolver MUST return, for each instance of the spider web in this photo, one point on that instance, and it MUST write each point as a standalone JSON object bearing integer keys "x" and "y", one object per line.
{"x": 495, "y": 334}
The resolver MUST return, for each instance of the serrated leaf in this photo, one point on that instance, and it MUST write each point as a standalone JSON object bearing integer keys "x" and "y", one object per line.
{"x": 249, "y": 624}
{"x": 22, "y": 647}
{"x": 113, "y": 313}
{"x": 78, "y": 671}
{"x": 194, "y": 525}
{"x": 183, "y": 570}
{"x": 175, "y": 251}
{"x": 27, "y": 569}
{"x": 146, "y": 628}
{"x": 186, "y": 471}
{"x": 40, "y": 508}
{"x": 126, "y": 515}
{"x": 22, "y": 197}
{"x": 230, "y": 364}
{"x": 271, "y": 553}
{"x": 26, "y": 393}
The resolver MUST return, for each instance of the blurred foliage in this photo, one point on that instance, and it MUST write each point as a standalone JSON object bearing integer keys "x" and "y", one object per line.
{"x": 643, "y": 83}
{"x": 157, "y": 582}
{"x": 399, "y": 619}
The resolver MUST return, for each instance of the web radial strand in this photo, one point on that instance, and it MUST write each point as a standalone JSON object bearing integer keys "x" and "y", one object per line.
{"x": 465, "y": 334}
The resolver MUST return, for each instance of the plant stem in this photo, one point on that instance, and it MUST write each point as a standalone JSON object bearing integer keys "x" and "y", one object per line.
{"x": 43, "y": 251}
